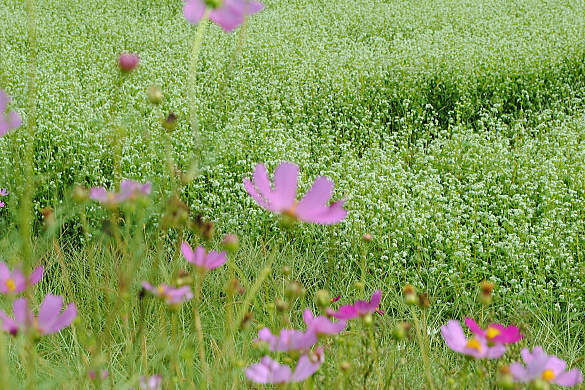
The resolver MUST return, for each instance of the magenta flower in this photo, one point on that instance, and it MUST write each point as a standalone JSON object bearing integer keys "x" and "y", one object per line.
{"x": 205, "y": 262}
{"x": 172, "y": 296}
{"x": 311, "y": 208}
{"x": 153, "y": 382}
{"x": 358, "y": 309}
{"x": 129, "y": 191}
{"x": 50, "y": 319}
{"x": 228, "y": 14}
{"x": 337, "y": 298}
{"x": 128, "y": 62}
{"x": 322, "y": 325}
{"x": 495, "y": 333}
{"x": 16, "y": 282}
{"x": 539, "y": 365}
{"x": 270, "y": 371}
{"x": 476, "y": 346}
{"x": 10, "y": 120}
{"x": 288, "y": 340}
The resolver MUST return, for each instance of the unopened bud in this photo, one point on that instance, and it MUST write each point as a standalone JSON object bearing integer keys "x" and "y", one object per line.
{"x": 359, "y": 285}
{"x": 184, "y": 278}
{"x": 368, "y": 320}
{"x": 49, "y": 217}
{"x": 294, "y": 290}
{"x": 234, "y": 287}
{"x": 505, "y": 380}
{"x": 323, "y": 299}
{"x": 128, "y": 62}
{"x": 423, "y": 301}
{"x": 539, "y": 384}
{"x": 79, "y": 194}
{"x": 231, "y": 243}
{"x": 170, "y": 122}
{"x": 286, "y": 271}
{"x": 155, "y": 95}
{"x": 401, "y": 331}
{"x": 367, "y": 237}
{"x": 410, "y": 297}
{"x": 345, "y": 366}
{"x": 247, "y": 320}
{"x": 485, "y": 295}
{"x": 281, "y": 304}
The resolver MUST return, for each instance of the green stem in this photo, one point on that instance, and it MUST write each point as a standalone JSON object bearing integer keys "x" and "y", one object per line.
{"x": 195, "y": 51}
{"x": 199, "y": 328}
{"x": 423, "y": 350}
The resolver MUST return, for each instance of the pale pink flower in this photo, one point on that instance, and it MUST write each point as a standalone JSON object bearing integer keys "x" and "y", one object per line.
{"x": 128, "y": 62}
{"x": 10, "y": 120}
{"x": 3, "y": 192}
{"x": 540, "y": 366}
{"x": 311, "y": 208}
{"x": 358, "y": 309}
{"x": 323, "y": 325}
{"x": 476, "y": 346}
{"x": 270, "y": 371}
{"x": 15, "y": 282}
{"x": 202, "y": 260}
{"x": 496, "y": 333}
{"x": 172, "y": 296}
{"x": 288, "y": 339}
{"x": 50, "y": 319}
{"x": 129, "y": 191}
{"x": 153, "y": 382}
{"x": 229, "y": 14}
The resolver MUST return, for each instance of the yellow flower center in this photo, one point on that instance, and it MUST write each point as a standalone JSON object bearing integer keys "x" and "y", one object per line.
{"x": 548, "y": 375}
{"x": 474, "y": 343}
{"x": 10, "y": 285}
{"x": 492, "y": 332}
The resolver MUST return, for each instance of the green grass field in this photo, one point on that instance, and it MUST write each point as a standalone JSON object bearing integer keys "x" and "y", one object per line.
{"x": 454, "y": 129}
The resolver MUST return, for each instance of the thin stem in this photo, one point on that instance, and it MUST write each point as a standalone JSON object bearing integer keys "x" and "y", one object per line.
{"x": 423, "y": 350}
{"x": 199, "y": 328}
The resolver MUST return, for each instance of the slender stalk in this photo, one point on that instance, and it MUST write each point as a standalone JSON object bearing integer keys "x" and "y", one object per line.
{"x": 423, "y": 350}
{"x": 199, "y": 328}
{"x": 195, "y": 51}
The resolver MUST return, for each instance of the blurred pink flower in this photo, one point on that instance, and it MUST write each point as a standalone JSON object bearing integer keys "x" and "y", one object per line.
{"x": 311, "y": 208}
{"x": 322, "y": 325}
{"x": 288, "y": 339}
{"x": 203, "y": 261}
{"x": 3, "y": 192}
{"x": 228, "y": 14}
{"x": 129, "y": 191}
{"x": 153, "y": 382}
{"x": 10, "y": 120}
{"x": 337, "y": 298}
{"x": 358, "y": 309}
{"x": 16, "y": 282}
{"x": 476, "y": 346}
{"x": 541, "y": 366}
{"x": 496, "y": 333}
{"x": 128, "y": 62}
{"x": 49, "y": 320}
{"x": 270, "y": 371}
{"x": 172, "y": 296}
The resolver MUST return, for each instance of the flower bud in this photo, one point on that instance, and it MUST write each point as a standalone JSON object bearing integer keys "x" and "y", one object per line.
{"x": 155, "y": 95}
{"x": 281, "y": 304}
{"x": 323, "y": 299}
{"x": 359, "y": 285}
{"x": 286, "y": 271}
{"x": 401, "y": 331}
{"x": 345, "y": 366}
{"x": 423, "y": 301}
{"x": 504, "y": 379}
{"x": 294, "y": 290}
{"x": 246, "y": 321}
{"x": 485, "y": 294}
{"x": 170, "y": 122}
{"x": 184, "y": 278}
{"x": 128, "y": 62}
{"x": 410, "y": 297}
{"x": 79, "y": 194}
{"x": 234, "y": 287}
{"x": 539, "y": 384}
{"x": 368, "y": 320}
{"x": 367, "y": 237}
{"x": 231, "y": 243}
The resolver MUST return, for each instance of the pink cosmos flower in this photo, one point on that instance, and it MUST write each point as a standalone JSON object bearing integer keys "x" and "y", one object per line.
{"x": 153, "y": 382}
{"x": 228, "y": 14}
{"x": 311, "y": 208}
{"x": 270, "y": 371}
{"x": 128, "y": 62}
{"x": 16, "y": 282}
{"x": 539, "y": 365}
{"x": 50, "y": 319}
{"x": 172, "y": 296}
{"x": 129, "y": 191}
{"x": 358, "y": 309}
{"x": 321, "y": 325}
{"x": 476, "y": 346}
{"x": 203, "y": 261}
{"x": 3, "y": 192}
{"x": 495, "y": 333}
{"x": 288, "y": 340}
{"x": 8, "y": 121}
